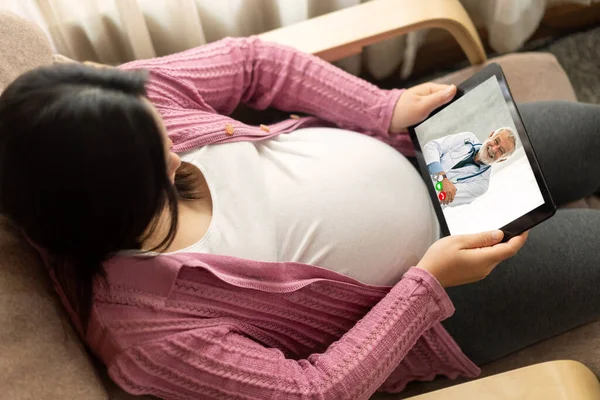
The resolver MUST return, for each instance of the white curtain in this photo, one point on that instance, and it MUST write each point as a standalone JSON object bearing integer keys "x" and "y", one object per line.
{"x": 511, "y": 22}
{"x": 116, "y": 31}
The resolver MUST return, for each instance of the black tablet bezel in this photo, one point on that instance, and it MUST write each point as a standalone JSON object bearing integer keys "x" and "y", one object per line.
{"x": 532, "y": 218}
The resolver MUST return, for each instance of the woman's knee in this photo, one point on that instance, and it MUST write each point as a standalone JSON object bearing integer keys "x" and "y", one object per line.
{"x": 553, "y": 119}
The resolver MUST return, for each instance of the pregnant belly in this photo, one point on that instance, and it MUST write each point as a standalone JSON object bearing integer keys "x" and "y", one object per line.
{"x": 347, "y": 202}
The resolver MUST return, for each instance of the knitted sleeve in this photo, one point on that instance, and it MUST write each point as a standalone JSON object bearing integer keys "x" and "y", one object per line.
{"x": 220, "y": 75}
{"x": 219, "y": 361}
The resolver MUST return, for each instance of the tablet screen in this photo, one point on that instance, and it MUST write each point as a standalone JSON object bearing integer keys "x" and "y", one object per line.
{"x": 474, "y": 143}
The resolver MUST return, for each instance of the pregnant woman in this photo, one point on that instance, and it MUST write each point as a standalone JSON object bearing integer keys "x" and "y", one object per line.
{"x": 200, "y": 257}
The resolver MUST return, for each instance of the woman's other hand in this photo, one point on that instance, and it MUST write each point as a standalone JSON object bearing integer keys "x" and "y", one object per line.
{"x": 416, "y": 103}
{"x": 461, "y": 259}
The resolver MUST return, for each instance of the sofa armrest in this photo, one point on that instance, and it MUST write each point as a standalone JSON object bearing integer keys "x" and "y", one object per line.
{"x": 345, "y": 32}
{"x": 554, "y": 380}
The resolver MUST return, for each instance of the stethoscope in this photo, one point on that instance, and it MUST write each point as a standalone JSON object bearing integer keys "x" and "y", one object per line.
{"x": 471, "y": 152}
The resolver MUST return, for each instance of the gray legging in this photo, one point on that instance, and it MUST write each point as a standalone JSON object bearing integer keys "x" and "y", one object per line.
{"x": 553, "y": 284}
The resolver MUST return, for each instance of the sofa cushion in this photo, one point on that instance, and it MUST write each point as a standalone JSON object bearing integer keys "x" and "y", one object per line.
{"x": 531, "y": 77}
{"x": 40, "y": 354}
{"x": 23, "y": 46}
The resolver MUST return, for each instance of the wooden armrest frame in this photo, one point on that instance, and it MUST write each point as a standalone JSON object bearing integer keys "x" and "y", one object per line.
{"x": 555, "y": 380}
{"x": 345, "y": 32}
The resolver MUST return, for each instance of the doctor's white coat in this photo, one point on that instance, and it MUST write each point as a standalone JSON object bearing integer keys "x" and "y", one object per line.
{"x": 471, "y": 181}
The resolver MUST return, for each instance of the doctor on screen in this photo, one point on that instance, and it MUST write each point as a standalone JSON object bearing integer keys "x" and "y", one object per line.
{"x": 461, "y": 166}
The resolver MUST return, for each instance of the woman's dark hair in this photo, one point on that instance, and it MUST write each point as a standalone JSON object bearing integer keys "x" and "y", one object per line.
{"x": 83, "y": 170}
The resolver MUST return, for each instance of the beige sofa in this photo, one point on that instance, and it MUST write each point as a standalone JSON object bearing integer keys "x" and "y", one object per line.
{"x": 40, "y": 355}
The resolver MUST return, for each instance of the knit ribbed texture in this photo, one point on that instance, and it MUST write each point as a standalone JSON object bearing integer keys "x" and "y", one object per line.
{"x": 195, "y": 91}
{"x": 191, "y": 326}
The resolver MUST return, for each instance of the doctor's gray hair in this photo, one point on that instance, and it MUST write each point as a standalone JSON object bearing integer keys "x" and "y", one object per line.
{"x": 512, "y": 135}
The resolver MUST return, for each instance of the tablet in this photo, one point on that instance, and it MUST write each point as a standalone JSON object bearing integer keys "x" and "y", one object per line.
{"x": 478, "y": 163}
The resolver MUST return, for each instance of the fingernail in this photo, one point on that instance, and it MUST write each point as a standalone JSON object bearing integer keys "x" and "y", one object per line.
{"x": 496, "y": 235}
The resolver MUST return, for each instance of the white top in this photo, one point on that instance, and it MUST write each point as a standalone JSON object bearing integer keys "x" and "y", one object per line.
{"x": 328, "y": 197}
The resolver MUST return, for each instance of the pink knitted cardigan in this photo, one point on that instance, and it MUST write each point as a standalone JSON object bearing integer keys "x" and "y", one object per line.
{"x": 189, "y": 326}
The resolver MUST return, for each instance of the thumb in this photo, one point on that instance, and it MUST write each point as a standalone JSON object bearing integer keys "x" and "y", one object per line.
{"x": 439, "y": 98}
{"x": 483, "y": 239}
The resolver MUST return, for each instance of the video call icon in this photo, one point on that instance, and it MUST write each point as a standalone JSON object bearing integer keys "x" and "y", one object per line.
{"x": 439, "y": 186}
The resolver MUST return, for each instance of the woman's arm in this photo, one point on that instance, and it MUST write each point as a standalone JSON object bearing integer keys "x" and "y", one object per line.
{"x": 220, "y": 361}
{"x": 220, "y": 75}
